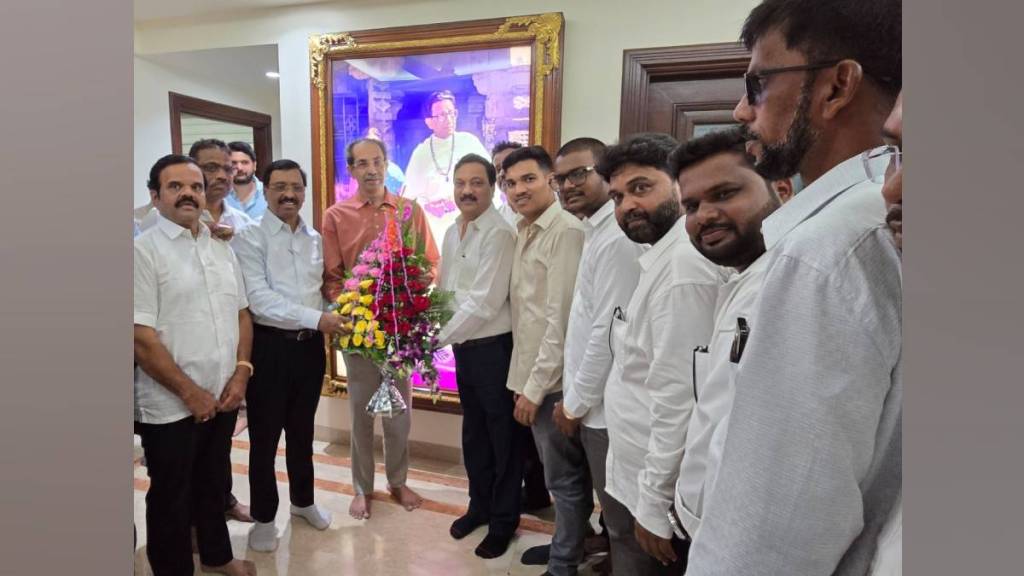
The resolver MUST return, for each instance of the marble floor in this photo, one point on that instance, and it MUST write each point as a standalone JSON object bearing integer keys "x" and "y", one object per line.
{"x": 392, "y": 542}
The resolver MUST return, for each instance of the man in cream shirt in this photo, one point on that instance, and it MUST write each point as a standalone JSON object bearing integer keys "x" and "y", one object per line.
{"x": 649, "y": 394}
{"x": 476, "y": 264}
{"x": 547, "y": 256}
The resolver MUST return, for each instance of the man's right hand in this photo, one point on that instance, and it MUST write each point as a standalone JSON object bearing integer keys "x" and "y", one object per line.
{"x": 333, "y": 323}
{"x": 202, "y": 404}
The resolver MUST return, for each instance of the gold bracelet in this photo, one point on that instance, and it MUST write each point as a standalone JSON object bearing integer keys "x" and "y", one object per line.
{"x": 247, "y": 365}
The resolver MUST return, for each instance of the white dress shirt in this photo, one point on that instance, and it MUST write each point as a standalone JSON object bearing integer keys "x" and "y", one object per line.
{"x": 478, "y": 268}
{"x": 230, "y": 216}
{"x": 714, "y": 371}
{"x": 283, "y": 273}
{"x": 608, "y": 273}
{"x": 649, "y": 393}
{"x": 812, "y": 462}
{"x": 190, "y": 291}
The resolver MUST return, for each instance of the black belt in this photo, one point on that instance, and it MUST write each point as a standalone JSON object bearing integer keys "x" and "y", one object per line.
{"x": 295, "y": 335}
{"x": 481, "y": 341}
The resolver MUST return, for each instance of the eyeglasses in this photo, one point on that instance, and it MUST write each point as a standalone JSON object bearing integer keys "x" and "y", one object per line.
{"x": 282, "y": 187}
{"x": 577, "y": 176}
{"x": 448, "y": 114}
{"x": 213, "y": 168}
{"x": 882, "y": 162}
{"x": 755, "y": 80}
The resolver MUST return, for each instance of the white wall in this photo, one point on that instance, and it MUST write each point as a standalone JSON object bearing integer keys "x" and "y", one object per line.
{"x": 154, "y": 78}
{"x": 596, "y": 33}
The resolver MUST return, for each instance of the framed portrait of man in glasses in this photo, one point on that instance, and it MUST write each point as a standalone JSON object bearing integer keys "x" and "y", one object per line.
{"x": 431, "y": 94}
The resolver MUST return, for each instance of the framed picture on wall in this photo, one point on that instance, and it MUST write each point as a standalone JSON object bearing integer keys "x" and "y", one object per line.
{"x": 431, "y": 94}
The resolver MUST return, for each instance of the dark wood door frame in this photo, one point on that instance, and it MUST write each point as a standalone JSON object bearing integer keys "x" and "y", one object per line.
{"x": 641, "y": 67}
{"x": 262, "y": 140}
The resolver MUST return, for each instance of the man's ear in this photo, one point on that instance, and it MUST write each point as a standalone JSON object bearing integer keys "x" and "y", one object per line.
{"x": 844, "y": 80}
{"x": 783, "y": 189}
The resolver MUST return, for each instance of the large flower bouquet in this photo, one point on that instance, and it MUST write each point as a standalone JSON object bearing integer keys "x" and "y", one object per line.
{"x": 394, "y": 316}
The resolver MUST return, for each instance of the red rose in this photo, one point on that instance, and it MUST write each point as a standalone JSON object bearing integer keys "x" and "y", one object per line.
{"x": 421, "y": 303}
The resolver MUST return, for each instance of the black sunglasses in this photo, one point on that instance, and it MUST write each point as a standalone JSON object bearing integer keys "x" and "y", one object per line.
{"x": 755, "y": 80}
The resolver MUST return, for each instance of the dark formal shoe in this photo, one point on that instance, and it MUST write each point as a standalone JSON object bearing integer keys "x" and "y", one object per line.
{"x": 463, "y": 525}
{"x": 536, "y": 556}
{"x": 493, "y": 545}
{"x": 595, "y": 544}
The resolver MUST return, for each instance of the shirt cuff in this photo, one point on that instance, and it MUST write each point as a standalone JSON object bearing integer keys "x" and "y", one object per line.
{"x": 145, "y": 320}
{"x": 572, "y": 404}
{"x": 653, "y": 516}
{"x": 310, "y": 318}
{"x": 534, "y": 393}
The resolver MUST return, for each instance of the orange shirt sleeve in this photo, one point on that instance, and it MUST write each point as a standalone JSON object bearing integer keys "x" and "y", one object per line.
{"x": 334, "y": 268}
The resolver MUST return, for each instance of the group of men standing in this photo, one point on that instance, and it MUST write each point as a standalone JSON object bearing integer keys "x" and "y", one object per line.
{"x": 672, "y": 327}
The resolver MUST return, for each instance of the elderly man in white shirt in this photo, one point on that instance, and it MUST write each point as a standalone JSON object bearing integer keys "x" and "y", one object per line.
{"x": 193, "y": 336}
{"x": 476, "y": 264}
{"x": 283, "y": 263}
{"x": 724, "y": 201}
{"x": 649, "y": 394}
{"x": 608, "y": 272}
{"x": 811, "y": 464}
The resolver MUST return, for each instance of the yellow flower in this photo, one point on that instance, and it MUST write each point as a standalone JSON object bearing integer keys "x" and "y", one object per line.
{"x": 343, "y": 298}
{"x": 374, "y": 325}
{"x": 347, "y": 326}
{"x": 357, "y": 339}
{"x": 360, "y": 327}
{"x": 346, "y": 308}
{"x": 353, "y": 295}
{"x": 365, "y": 284}
{"x": 368, "y": 315}
{"x": 366, "y": 300}
{"x": 344, "y": 341}
{"x": 368, "y": 343}
{"x": 378, "y": 337}
{"x": 358, "y": 311}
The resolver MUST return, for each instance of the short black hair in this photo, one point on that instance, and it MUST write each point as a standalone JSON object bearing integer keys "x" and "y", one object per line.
{"x": 428, "y": 104}
{"x": 282, "y": 164}
{"x": 492, "y": 174}
{"x": 645, "y": 149}
{"x": 595, "y": 146}
{"x": 205, "y": 144}
{"x": 868, "y": 31}
{"x": 244, "y": 148}
{"x": 168, "y": 160}
{"x": 504, "y": 145}
{"x": 699, "y": 149}
{"x": 350, "y": 158}
{"x": 536, "y": 153}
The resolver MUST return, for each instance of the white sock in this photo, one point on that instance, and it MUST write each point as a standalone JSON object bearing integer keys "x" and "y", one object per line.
{"x": 317, "y": 517}
{"x": 263, "y": 537}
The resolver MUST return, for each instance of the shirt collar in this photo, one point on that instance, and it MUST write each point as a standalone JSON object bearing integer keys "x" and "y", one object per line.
{"x": 486, "y": 217}
{"x": 545, "y": 219}
{"x": 273, "y": 224}
{"x": 664, "y": 245}
{"x": 601, "y": 216}
{"x": 814, "y": 197}
{"x": 174, "y": 230}
{"x": 357, "y": 200}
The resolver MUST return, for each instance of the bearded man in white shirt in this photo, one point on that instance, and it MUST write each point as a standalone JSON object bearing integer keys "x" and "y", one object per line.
{"x": 193, "y": 335}
{"x": 476, "y": 264}
{"x": 817, "y": 411}
{"x": 649, "y": 393}
{"x": 724, "y": 201}
{"x": 283, "y": 264}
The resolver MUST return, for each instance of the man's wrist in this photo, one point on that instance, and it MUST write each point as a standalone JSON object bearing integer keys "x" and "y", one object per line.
{"x": 245, "y": 366}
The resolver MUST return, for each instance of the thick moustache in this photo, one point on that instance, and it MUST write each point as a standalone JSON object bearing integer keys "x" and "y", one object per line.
{"x": 184, "y": 201}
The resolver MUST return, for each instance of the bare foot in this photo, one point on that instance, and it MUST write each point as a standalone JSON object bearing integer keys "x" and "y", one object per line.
{"x": 239, "y": 512}
{"x": 406, "y": 497}
{"x": 236, "y": 567}
{"x": 360, "y": 507}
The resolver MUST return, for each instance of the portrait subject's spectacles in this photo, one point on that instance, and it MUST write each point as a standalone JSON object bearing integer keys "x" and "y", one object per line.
{"x": 449, "y": 114}
{"x": 577, "y": 176}
{"x": 213, "y": 168}
{"x": 755, "y": 80}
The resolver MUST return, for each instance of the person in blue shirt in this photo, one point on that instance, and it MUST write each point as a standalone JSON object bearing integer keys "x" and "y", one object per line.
{"x": 247, "y": 192}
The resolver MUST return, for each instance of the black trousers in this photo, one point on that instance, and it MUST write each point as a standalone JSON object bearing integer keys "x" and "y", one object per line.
{"x": 185, "y": 463}
{"x": 492, "y": 441}
{"x": 282, "y": 395}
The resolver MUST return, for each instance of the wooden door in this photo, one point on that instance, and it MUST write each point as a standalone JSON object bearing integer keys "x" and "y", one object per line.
{"x": 685, "y": 91}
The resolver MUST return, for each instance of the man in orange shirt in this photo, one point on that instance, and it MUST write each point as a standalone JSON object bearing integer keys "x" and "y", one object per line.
{"x": 348, "y": 227}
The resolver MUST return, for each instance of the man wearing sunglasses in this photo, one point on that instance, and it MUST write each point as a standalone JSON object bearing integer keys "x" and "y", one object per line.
{"x": 811, "y": 463}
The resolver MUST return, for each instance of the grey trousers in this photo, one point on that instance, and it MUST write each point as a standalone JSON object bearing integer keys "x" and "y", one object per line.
{"x": 568, "y": 478}
{"x": 363, "y": 381}
{"x": 627, "y": 555}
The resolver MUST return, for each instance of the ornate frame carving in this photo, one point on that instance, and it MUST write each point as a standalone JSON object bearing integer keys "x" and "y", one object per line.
{"x": 544, "y": 33}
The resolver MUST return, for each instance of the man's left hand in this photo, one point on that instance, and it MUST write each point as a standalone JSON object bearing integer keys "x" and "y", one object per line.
{"x": 234, "y": 391}
{"x": 526, "y": 411}
{"x": 221, "y": 231}
{"x": 566, "y": 425}
{"x": 658, "y": 547}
